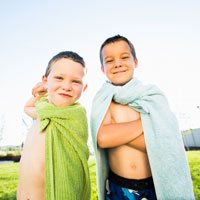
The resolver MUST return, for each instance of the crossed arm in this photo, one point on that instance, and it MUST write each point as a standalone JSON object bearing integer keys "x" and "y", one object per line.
{"x": 116, "y": 134}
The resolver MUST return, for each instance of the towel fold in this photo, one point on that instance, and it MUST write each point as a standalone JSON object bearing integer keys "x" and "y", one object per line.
{"x": 165, "y": 149}
{"x": 66, "y": 151}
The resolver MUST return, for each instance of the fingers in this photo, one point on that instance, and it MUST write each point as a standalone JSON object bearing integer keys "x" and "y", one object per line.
{"x": 39, "y": 89}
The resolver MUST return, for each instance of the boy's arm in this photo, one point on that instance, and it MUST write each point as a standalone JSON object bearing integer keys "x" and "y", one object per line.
{"x": 138, "y": 143}
{"x": 38, "y": 92}
{"x": 29, "y": 108}
{"x": 116, "y": 134}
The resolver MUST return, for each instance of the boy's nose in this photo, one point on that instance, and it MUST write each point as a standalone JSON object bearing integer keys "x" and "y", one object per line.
{"x": 118, "y": 63}
{"x": 67, "y": 86}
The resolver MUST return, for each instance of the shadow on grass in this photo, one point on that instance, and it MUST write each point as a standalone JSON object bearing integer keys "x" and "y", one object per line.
{"x": 10, "y": 196}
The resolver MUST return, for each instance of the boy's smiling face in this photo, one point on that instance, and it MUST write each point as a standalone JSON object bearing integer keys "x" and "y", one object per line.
{"x": 64, "y": 82}
{"x": 118, "y": 62}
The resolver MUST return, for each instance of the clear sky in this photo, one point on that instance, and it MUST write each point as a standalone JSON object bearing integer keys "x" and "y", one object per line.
{"x": 166, "y": 35}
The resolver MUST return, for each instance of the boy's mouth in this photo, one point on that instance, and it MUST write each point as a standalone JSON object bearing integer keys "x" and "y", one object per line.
{"x": 119, "y": 72}
{"x": 65, "y": 95}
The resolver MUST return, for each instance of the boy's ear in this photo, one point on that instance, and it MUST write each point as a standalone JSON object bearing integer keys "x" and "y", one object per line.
{"x": 136, "y": 63}
{"x": 102, "y": 69}
{"x": 85, "y": 87}
{"x": 44, "y": 81}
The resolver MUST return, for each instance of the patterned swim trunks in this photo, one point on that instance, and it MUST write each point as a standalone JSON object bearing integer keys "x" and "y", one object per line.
{"x": 119, "y": 188}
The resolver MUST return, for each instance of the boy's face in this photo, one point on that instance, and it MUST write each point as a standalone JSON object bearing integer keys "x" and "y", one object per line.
{"x": 118, "y": 62}
{"x": 64, "y": 82}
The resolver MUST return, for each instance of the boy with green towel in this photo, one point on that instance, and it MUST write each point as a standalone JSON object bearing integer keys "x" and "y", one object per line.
{"x": 53, "y": 165}
{"x": 136, "y": 138}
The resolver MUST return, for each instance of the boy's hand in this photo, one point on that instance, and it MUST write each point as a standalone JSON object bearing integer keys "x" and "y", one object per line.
{"x": 138, "y": 143}
{"x": 39, "y": 89}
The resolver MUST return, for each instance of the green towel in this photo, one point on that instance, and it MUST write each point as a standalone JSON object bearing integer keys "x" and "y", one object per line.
{"x": 66, "y": 151}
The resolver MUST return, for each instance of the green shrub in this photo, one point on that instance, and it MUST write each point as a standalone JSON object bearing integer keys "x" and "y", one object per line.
{"x": 3, "y": 153}
{"x": 13, "y": 153}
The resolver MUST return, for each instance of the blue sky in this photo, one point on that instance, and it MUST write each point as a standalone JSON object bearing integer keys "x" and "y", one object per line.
{"x": 166, "y": 35}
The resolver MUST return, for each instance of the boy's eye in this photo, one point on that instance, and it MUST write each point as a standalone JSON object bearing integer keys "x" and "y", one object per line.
{"x": 76, "y": 81}
{"x": 59, "y": 77}
{"x": 125, "y": 57}
{"x": 109, "y": 61}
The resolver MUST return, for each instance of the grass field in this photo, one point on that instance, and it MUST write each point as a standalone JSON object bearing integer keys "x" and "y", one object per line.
{"x": 8, "y": 181}
{"x": 9, "y": 177}
{"x": 194, "y": 162}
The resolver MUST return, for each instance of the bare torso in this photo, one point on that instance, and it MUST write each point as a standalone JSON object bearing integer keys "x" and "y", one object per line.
{"x": 32, "y": 166}
{"x": 129, "y": 160}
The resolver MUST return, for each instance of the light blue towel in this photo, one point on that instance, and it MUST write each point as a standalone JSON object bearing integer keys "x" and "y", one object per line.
{"x": 164, "y": 144}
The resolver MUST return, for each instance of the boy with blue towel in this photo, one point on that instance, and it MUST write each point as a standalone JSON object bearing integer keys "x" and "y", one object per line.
{"x": 137, "y": 142}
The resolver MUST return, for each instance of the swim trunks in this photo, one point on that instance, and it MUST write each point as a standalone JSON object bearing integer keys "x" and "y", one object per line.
{"x": 120, "y": 188}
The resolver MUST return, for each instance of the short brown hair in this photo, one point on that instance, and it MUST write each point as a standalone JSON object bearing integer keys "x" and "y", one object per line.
{"x": 65, "y": 54}
{"x": 115, "y": 39}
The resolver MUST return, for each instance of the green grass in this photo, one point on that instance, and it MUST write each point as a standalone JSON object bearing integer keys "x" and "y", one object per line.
{"x": 8, "y": 181}
{"x": 9, "y": 177}
{"x": 92, "y": 167}
{"x": 194, "y": 162}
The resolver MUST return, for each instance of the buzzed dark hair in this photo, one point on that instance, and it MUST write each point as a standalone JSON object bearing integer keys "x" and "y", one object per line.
{"x": 115, "y": 39}
{"x": 65, "y": 54}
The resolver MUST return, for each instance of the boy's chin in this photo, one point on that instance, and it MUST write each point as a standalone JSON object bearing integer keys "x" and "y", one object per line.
{"x": 59, "y": 104}
{"x": 64, "y": 105}
{"x": 120, "y": 83}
